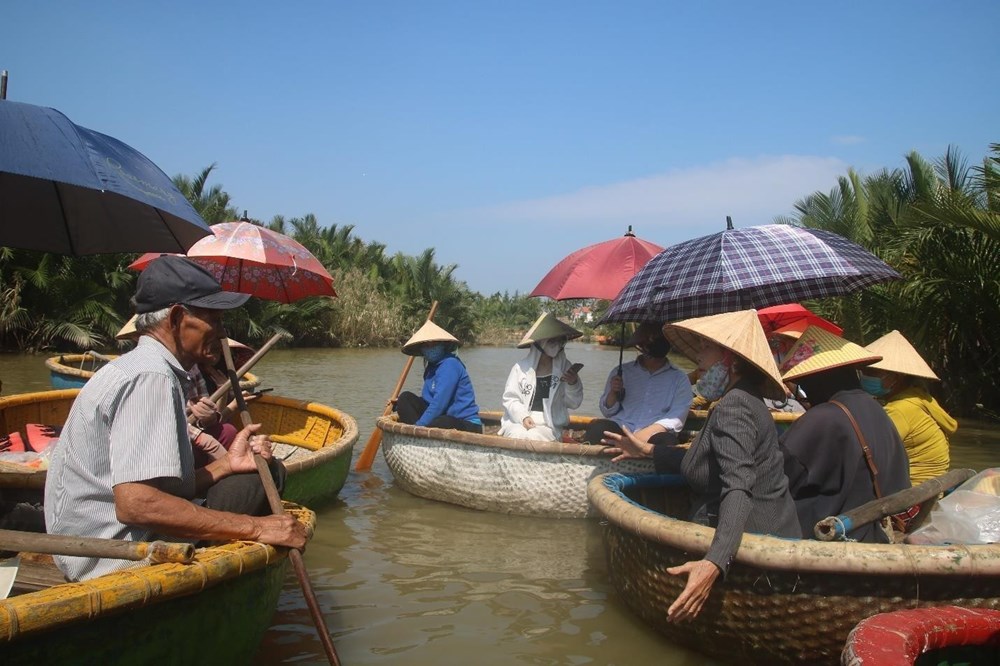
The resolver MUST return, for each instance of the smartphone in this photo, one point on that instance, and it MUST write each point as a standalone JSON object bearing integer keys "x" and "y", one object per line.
{"x": 576, "y": 367}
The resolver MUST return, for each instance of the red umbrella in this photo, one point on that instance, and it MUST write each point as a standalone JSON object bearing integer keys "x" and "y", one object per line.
{"x": 782, "y": 316}
{"x": 597, "y": 271}
{"x": 251, "y": 259}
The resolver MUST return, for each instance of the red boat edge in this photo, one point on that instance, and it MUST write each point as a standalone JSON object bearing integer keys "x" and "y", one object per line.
{"x": 899, "y": 638}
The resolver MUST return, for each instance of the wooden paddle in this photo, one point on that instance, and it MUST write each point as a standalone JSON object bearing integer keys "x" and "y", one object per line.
{"x": 220, "y": 393}
{"x": 58, "y": 544}
{"x": 835, "y": 528}
{"x": 367, "y": 456}
{"x": 274, "y": 500}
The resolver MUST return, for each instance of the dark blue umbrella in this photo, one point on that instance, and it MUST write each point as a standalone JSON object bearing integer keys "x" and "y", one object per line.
{"x": 71, "y": 190}
{"x": 752, "y": 267}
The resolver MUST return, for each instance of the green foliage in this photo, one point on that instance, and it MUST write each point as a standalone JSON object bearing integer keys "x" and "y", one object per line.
{"x": 938, "y": 225}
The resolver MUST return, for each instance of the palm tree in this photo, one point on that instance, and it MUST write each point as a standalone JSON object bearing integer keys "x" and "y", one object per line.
{"x": 213, "y": 205}
{"x": 938, "y": 225}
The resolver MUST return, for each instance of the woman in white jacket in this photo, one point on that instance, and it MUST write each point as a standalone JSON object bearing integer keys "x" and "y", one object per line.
{"x": 543, "y": 386}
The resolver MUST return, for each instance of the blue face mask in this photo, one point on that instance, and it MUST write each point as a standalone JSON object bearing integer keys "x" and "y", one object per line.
{"x": 435, "y": 353}
{"x": 873, "y": 385}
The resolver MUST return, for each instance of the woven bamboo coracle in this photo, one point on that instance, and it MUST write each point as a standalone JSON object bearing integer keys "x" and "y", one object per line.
{"x": 784, "y": 601}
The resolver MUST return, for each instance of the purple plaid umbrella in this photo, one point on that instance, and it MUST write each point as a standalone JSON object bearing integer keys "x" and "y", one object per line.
{"x": 752, "y": 267}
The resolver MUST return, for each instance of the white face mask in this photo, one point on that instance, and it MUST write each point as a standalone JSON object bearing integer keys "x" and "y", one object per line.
{"x": 552, "y": 347}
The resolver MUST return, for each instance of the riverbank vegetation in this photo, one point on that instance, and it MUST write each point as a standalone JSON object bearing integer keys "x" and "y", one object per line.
{"x": 937, "y": 223}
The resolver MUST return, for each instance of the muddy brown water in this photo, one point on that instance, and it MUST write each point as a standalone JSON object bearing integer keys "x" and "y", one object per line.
{"x": 403, "y": 580}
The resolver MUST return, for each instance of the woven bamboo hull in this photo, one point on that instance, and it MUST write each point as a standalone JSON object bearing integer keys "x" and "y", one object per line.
{"x": 784, "y": 601}
{"x": 314, "y": 441}
{"x": 69, "y": 371}
{"x": 493, "y": 473}
{"x": 213, "y": 611}
{"x": 317, "y": 439}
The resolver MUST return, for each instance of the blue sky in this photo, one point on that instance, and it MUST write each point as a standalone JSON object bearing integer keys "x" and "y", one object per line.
{"x": 508, "y": 134}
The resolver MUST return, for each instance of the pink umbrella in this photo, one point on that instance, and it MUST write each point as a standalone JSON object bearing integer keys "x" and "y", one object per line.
{"x": 251, "y": 259}
{"x": 782, "y": 316}
{"x": 597, "y": 271}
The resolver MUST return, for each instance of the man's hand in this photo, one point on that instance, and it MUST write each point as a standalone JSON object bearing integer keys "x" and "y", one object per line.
{"x": 701, "y": 576}
{"x": 247, "y": 443}
{"x": 614, "y": 391}
{"x": 281, "y": 530}
{"x": 205, "y": 413}
{"x": 528, "y": 423}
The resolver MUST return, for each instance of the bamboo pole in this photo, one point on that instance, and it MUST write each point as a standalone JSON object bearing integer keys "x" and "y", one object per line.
{"x": 274, "y": 500}
{"x": 220, "y": 393}
{"x": 835, "y": 528}
{"x": 76, "y": 546}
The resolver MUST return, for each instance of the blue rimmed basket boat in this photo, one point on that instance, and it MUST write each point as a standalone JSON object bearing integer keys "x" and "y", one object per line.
{"x": 784, "y": 601}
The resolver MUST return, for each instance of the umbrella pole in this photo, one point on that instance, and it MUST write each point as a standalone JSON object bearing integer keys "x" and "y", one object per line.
{"x": 621, "y": 350}
{"x": 276, "y": 507}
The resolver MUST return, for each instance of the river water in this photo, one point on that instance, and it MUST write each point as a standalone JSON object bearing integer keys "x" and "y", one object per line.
{"x": 403, "y": 580}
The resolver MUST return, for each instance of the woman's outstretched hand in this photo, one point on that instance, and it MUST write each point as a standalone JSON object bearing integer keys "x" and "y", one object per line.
{"x": 701, "y": 576}
{"x": 626, "y": 446}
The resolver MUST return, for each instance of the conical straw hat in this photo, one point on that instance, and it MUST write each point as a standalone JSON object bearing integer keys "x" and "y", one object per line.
{"x": 739, "y": 332}
{"x": 546, "y": 327}
{"x": 898, "y": 355}
{"x": 818, "y": 349}
{"x": 429, "y": 332}
{"x": 128, "y": 331}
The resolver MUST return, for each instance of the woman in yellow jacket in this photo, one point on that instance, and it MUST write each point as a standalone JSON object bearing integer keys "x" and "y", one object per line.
{"x": 922, "y": 423}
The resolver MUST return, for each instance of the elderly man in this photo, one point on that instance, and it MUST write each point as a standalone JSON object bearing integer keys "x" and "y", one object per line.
{"x": 651, "y": 396}
{"x": 123, "y": 467}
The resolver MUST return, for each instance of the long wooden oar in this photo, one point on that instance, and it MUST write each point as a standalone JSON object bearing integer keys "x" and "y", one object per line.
{"x": 58, "y": 544}
{"x": 220, "y": 393}
{"x": 836, "y": 528}
{"x": 274, "y": 500}
{"x": 367, "y": 456}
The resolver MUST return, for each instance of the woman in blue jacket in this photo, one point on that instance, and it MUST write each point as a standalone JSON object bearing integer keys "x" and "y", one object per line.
{"x": 447, "y": 399}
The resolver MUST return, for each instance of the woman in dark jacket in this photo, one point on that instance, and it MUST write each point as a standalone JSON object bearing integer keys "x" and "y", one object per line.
{"x": 733, "y": 466}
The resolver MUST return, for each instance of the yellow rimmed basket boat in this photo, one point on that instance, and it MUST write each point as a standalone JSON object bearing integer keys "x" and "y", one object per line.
{"x": 313, "y": 440}
{"x": 501, "y": 474}
{"x": 784, "y": 601}
{"x": 212, "y": 611}
{"x": 68, "y": 371}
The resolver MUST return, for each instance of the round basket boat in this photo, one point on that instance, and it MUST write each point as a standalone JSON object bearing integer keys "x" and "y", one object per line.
{"x": 786, "y": 601}
{"x": 68, "y": 371}
{"x": 214, "y": 610}
{"x": 314, "y": 441}
{"x": 506, "y": 475}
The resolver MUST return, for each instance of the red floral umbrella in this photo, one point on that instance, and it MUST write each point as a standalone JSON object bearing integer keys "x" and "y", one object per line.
{"x": 795, "y": 316}
{"x": 597, "y": 271}
{"x": 251, "y": 259}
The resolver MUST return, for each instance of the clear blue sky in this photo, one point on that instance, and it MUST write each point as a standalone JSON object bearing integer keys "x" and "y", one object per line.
{"x": 509, "y": 134}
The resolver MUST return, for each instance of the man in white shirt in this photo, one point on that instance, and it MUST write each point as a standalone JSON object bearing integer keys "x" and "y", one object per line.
{"x": 650, "y": 395}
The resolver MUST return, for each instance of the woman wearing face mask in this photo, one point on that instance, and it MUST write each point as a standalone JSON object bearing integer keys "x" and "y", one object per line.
{"x": 543, "y": 386}
{"x": 733, "y": 466}
{"x": 923, "y": 425}
{"x": 447, "y": 399}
